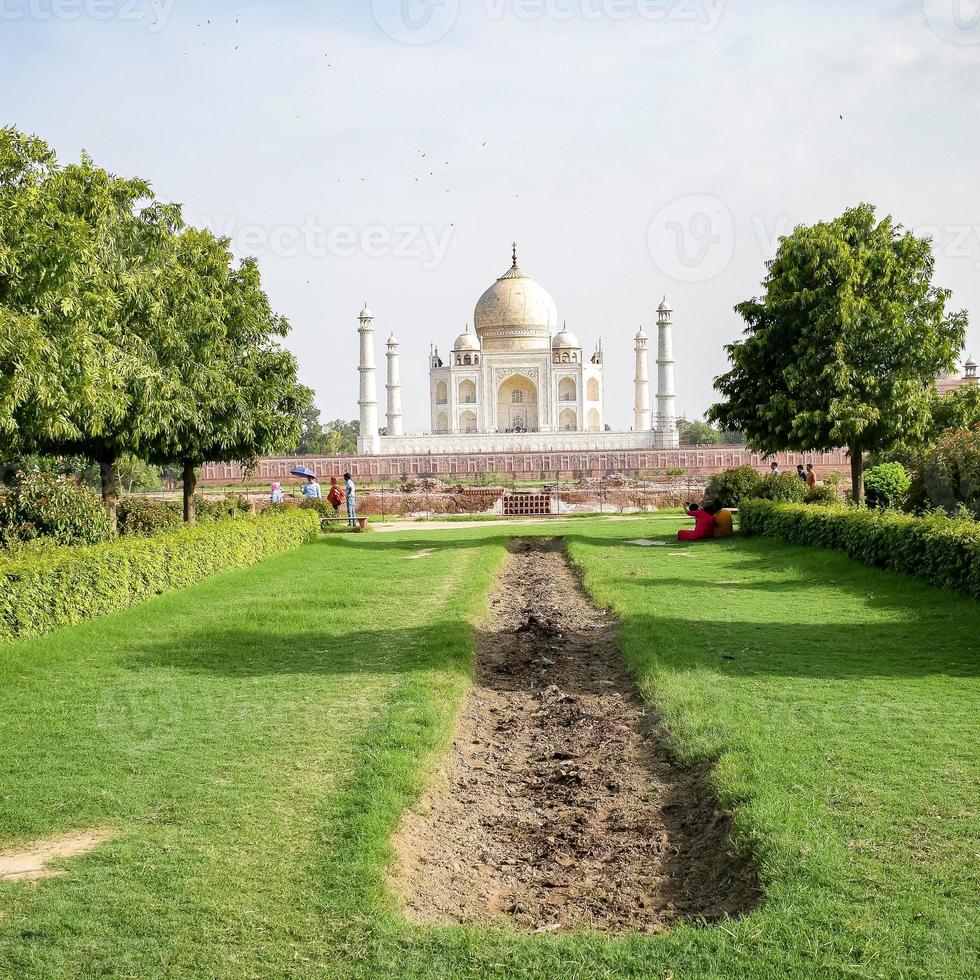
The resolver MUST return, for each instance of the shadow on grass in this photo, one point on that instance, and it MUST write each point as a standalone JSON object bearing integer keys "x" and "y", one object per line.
{"x": 724, "y": 626}
{"x": 733, "y": 648}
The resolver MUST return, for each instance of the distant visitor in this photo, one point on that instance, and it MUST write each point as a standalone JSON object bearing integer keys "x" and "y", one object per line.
{"x": 350, "y": 491}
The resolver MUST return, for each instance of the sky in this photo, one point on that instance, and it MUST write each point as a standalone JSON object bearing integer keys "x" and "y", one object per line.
{"x": 389, "y": 151}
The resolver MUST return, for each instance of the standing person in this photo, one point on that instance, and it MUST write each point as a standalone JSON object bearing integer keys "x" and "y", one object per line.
{"x": 335, "y": 496}
{"x": 351, "y": 493}
{"x": 311, "y": 489}
{"x": 811, "y": 477}
{"x": 800, "y": 473}
{"x": 277, "y": 496}
{"x": 774, "y": 468}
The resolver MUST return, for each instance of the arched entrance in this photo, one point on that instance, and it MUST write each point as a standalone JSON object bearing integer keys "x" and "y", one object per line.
{"x": 517, "y": 405}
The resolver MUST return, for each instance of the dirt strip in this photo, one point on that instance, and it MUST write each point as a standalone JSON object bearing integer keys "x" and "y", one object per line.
{"x": 40, "y": 859}
{"x": 558, "y": 807}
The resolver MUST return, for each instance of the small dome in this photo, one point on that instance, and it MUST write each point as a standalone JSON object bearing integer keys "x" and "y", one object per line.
{"x": 664, "y": 307}
{"x": 392, "y": 341}
{"x": 641, "y": 334}
{"x": 970, "y": 363}
{"x": 365, "y": 314}
{"x": 467, "y": 341}
{"x": 565, "y": 338}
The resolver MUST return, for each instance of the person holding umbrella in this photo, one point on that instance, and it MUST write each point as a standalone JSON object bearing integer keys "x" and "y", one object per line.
{"x": 311, "y": 489}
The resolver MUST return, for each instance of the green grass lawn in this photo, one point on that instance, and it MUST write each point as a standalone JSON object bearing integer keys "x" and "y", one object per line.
{"x": 254, "y": 738}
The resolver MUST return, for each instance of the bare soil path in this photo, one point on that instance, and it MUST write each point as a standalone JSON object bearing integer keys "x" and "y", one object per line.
{"x": 559, "y": 807}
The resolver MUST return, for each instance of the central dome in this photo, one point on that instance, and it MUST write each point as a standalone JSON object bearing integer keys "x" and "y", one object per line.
{"x": 515, "y": 313}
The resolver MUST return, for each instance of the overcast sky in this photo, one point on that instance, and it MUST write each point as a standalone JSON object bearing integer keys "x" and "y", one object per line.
{"x": 632, "y": 147}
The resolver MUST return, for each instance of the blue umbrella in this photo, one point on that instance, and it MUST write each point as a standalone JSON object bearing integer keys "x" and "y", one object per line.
{"x": 302, "y": 471}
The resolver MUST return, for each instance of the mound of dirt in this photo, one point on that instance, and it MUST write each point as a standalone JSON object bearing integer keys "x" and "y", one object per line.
{"x": 559, "y": 807}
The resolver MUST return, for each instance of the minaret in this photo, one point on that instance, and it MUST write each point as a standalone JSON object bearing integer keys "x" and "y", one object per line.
{"x": 368, "y": 442}
{"x": 666, "y": 398}
{"x": 394, "y": 388}
{"x": 641, "y": 404}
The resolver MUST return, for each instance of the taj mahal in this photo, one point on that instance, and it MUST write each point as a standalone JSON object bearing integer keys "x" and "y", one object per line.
{"x": 518, "y": 381}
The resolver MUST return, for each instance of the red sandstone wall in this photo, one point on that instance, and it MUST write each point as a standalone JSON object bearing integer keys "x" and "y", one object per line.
{"x": 703, "y": 461}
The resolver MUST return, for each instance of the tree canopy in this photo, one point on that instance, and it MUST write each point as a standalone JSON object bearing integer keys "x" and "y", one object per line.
{"x": 844, "y": 345}
{"x": 122, "y": 331}
{"x": 698, "y": 433}
{"x": 240, "y": 396}
{"x": 335, "y": 438}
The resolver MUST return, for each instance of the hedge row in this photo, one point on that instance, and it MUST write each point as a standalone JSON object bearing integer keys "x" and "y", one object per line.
{"x": 52, "y": 587}
{"x": 942, "y": 550}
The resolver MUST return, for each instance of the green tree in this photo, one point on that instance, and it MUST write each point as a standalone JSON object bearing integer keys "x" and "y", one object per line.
{"x": 239, "y": 397}
{"x": 312, "y": 437}
{"x": 136, "y": 476}
{"x": 81, "y": 273}
{"x": 955, "y": 412}
{"x": 342, "y": 437}
{"x": 698, "y": 433}
{"x": 951, "y": 472}
{"x": 843, "y": 347}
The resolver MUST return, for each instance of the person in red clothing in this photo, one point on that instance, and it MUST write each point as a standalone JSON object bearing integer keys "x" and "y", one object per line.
{"x": 704, "y": 523}
{"x": 335, "y": 496}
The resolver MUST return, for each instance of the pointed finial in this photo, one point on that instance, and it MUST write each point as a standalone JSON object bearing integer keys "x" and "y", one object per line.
{"x": 514, "y": 253}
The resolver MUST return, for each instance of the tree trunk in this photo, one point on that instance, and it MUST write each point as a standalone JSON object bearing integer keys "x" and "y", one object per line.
{"x": 857, "y": 474}
{"x": 109, "y": 477}
{"x": 190, "y": 484}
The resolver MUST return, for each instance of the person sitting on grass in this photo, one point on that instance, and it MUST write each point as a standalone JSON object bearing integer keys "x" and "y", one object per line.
{"x": 724, "y": 526}
{"x": 704, "y": 523}
{"x": 335, "y": 496}
{"x": 277, "y": 496}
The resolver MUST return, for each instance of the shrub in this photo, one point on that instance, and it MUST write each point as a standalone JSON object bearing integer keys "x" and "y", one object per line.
{"x": 783, "y": 487}
{"x": 328, "y": 516}
{"x": 731, "y": 487}
{"x": 822, "y": 495}
{"x": 56, "y": 587}
{"x": 886, "y": 485}
{"x": 942, "y": 550}
{"x": 146, "y": 515}
{"x": 950, "y": 474}
{"x": 219, "y": 508}
{"x": 45, "y": 505}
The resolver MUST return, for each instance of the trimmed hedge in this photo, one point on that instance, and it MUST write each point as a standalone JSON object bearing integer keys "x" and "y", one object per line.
{"x": 944, "y": 551}
{"x": 52, "y": 587}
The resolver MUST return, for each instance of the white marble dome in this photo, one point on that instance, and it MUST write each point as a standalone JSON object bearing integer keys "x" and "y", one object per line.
{"x": 565, "y": 340}
{"x": 515, "y": 312}
{"x": 467, "y": 341}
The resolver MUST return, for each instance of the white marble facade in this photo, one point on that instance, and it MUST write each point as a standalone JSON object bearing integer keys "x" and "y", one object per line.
{"x": 515, "y": 379}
